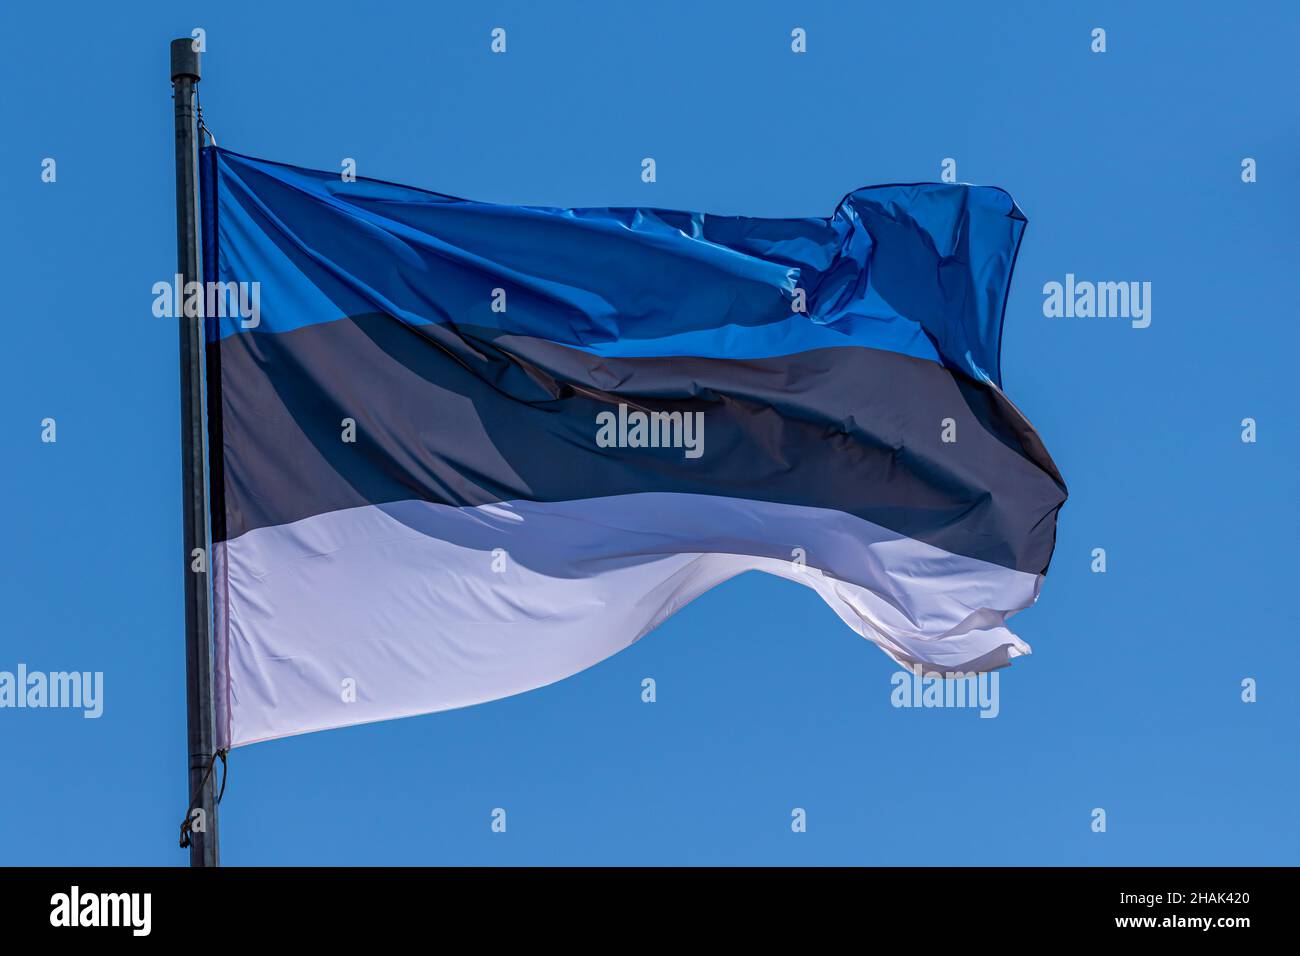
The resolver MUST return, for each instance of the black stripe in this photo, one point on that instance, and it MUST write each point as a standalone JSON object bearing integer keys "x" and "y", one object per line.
{"x": 212, "y": 354}
{"x": 468, "y": 416}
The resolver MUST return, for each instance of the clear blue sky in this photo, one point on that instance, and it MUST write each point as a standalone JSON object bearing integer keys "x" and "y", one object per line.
{"x": 1127, "y": 165}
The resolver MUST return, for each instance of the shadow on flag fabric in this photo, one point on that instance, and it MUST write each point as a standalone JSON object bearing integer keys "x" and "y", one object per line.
{"x": 461, "y": 450}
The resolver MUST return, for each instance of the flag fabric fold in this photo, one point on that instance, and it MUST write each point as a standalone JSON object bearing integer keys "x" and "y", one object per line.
{"x": 463, "y": 450}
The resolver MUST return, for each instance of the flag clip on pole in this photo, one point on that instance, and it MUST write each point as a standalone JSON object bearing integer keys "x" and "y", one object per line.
{"x": 200, "y": 826}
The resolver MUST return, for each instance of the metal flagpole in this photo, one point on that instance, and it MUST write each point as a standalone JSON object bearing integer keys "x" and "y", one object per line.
{"x": 198, "y": 656}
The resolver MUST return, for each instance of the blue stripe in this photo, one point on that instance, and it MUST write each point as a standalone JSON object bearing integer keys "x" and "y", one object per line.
{"x": 921, "y": 270}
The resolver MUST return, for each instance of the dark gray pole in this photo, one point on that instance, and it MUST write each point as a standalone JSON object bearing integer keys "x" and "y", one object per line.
{"x": 198, "y": 643}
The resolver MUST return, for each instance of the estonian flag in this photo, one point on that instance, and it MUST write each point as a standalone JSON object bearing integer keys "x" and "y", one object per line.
{"x": 462, "y": 450}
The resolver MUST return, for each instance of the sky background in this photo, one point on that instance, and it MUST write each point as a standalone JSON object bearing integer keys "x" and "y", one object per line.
{"x": 1127, "y": 165}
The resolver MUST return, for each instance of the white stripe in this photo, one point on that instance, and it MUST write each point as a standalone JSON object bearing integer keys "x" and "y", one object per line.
{"x": 403, "y": 599}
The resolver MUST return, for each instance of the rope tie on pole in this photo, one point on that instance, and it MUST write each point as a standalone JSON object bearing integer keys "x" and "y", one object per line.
{"x": 188, "y": 823}
{"x": 202, "y": 127}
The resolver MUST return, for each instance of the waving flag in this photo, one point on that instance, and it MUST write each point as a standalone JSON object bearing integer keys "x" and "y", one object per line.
{"x": 462, "y": 450}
